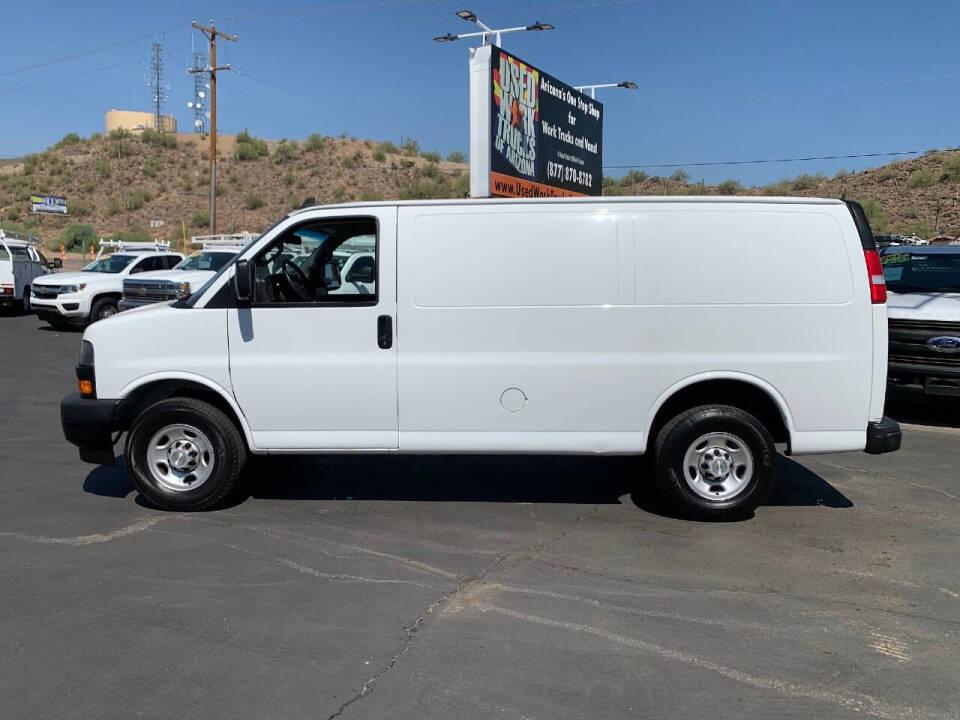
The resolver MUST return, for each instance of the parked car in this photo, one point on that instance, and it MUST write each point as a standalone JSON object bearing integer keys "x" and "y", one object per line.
{"x": 185, "y": 278}
{"x": 93, "y": 293}
{"x": 21, "y": 262}
{"x": 924, "y": 317}
{"x": 680, "y": 328}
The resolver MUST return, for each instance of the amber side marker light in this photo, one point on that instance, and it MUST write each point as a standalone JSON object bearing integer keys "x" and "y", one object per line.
{"x": 86, "y": 387}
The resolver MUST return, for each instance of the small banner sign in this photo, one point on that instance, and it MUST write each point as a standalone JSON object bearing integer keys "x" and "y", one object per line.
{"x": 48, "y": 204}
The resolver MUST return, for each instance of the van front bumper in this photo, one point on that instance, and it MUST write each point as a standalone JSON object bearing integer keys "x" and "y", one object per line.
{"x": 883, "y": 436}
{"x": 90, "y": 424}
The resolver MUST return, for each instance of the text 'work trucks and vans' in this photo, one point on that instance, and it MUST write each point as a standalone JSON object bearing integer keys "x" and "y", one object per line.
{"x": 700, "y": 332}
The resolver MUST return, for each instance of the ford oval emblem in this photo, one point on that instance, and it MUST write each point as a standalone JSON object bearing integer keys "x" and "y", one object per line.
{"x": 944, "y": 344}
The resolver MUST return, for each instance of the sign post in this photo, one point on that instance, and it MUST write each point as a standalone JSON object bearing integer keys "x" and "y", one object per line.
{"x": 531, "y": 135}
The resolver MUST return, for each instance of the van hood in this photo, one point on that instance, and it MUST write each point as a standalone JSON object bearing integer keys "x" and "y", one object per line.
{"x": 944, "y": 307}
{"x": 115, "y": 322}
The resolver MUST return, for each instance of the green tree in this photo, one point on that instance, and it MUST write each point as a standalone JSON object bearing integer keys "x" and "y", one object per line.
{"x": 729, "y": 187}
{"x": 77, "y": 236}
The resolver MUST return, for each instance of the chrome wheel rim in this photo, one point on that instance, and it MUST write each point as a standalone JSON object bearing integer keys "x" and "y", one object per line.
{"x": 718, "y": 466}
{"x": 108, "y": 311}
{"x": 180, "y": 457}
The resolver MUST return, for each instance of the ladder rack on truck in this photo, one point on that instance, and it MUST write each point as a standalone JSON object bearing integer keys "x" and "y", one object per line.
{"x": 121, "y": 245}
{"x": 223, "y": 241}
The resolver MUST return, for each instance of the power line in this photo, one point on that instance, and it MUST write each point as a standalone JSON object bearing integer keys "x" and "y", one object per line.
{"x": 68, "y": 77}
{"x": 384, "y": 4}
{"x": 99, "y": 48}
{"x": 765, "y": 160}
{"x": 858, "y": 86}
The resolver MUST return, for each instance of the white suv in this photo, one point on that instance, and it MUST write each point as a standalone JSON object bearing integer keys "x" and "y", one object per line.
{"x": 186, "y": 277}
{"x": 93, "y": 293}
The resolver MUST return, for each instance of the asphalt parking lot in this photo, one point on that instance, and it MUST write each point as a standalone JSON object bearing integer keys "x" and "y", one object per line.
{"x": 492, "y": 587}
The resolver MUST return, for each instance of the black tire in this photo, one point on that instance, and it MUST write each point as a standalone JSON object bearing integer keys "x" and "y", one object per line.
{"x": 103, "y": 308}
{"x": 229, "y": 454}
{"x": 679, "y": 435}
{"x": 25, "y": 303}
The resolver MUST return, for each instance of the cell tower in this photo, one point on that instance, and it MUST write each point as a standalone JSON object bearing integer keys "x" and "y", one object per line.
{"x": 200, "y": 88}
{"x": 157, "y": 88}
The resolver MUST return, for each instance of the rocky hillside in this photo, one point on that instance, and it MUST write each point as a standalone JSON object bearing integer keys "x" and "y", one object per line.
{"x": 118, "y": 184}
{"x": 918, "y": 196}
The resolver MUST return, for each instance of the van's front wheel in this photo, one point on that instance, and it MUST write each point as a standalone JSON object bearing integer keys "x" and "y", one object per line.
{"x": 185, "y": 454}
{"x": 715, "y": 462}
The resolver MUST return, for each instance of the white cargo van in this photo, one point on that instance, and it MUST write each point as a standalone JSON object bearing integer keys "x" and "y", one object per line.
{"x": 698, "y": 331}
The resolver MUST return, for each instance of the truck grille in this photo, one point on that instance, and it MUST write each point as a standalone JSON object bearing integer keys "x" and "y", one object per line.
{"x": 908, "y": 342}
{"x": 46, "y": 291}
{"x": 141, "y": 292}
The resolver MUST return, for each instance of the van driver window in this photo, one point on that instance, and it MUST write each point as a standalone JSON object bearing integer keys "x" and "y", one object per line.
{"x": 320, "y": 262}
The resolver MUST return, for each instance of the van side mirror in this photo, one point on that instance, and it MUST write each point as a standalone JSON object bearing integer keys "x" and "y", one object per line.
{"x": 241, "y": 282}
{"x": 55, "y": 264}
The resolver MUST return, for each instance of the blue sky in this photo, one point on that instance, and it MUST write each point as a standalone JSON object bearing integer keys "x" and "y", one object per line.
{"x": 718, "y": 81}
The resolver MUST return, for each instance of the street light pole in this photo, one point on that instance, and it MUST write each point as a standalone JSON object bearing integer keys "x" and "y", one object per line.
{"x": 212, "y": 34}
{"x": 487, "y": 31}
{"x": 626, "y": 84}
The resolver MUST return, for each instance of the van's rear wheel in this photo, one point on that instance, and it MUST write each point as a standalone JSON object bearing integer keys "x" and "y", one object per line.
{"x": 185, "y": 454}
{"x": 715, "y": 462}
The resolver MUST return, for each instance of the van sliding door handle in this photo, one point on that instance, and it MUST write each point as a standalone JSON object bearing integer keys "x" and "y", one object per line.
{"x": 385, "y": 332}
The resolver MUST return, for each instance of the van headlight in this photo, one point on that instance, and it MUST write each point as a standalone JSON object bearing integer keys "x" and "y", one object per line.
{"x": 183, "y": 290}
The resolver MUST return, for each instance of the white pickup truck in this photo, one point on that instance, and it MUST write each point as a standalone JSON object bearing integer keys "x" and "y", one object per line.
{"x": 93, "y": 293}
{"x": 188, "y": 276}
{"x": 21, "y": 262}
{"x": 923, "y": 309}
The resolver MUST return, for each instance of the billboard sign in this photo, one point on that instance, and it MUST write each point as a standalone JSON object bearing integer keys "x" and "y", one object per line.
{"x": 544, "y": 138}
{"x": 48, "y": 204}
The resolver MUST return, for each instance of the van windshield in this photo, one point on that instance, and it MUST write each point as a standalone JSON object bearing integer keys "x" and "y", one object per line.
{"x": 918, "y": 272}
{"x": 110, "y": 264}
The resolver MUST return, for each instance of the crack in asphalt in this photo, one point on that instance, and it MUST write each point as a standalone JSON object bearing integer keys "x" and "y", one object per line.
{"x": 464, "y": 584}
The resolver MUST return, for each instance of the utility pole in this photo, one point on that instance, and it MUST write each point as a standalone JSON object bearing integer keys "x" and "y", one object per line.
{"x": 211, "y": 33}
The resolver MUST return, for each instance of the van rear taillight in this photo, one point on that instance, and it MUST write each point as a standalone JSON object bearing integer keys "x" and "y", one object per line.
{"x": 878, "y": 285}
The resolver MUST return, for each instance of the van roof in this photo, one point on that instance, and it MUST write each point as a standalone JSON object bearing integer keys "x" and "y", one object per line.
{"x": 617, "y": 199}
